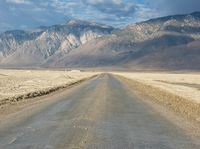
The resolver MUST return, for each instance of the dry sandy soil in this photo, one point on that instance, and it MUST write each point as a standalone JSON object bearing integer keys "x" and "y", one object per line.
{"x": 178, "y": 92}
{"x": 102, "y": 113}
{"x": 23, "y": 83}
{"x": 137, "y": 105}
{"x": 20, "y": 82}
{"x": 184, "y": 85}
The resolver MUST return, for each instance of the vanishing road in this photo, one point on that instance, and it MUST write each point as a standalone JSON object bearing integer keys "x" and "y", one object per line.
{"x": 101, "y": 113}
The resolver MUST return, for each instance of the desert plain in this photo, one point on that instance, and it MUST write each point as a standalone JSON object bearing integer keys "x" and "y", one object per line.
{"x": 19, "y": 83}
{"x": 90, "y": 109}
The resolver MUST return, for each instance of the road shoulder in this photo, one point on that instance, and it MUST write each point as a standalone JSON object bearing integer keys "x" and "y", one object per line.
{"x": 20, "y": 110}
{"x": 150, "y": 97}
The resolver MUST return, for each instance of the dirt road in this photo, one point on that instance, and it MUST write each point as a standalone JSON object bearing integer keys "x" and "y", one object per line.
{"x": 101, "y": 113}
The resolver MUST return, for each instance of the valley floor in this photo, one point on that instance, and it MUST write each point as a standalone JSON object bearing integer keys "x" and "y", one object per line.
{"x": 119, "y": 109}
{"x": 179, "y": 92}
{"x": 22, "y": 84}
{"x": 103, "y": 112}
{"x": 185, "y": 85}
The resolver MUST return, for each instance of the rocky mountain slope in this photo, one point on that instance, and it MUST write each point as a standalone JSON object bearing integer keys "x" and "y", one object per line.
{"x": 31, "y": 48}
{"x": 164, "y": 43}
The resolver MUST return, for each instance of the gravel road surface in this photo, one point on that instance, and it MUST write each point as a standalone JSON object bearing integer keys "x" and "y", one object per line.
{"x": 101, "y": 113}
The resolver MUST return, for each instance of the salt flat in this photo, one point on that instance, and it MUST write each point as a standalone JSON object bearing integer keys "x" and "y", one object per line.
{"x": 186, "y": 85}
{"x": 102, "y": 112}
{"x": 19, "y": 82}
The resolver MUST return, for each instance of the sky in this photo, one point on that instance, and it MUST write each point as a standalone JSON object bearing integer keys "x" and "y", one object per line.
{"x": 27, "y": 14}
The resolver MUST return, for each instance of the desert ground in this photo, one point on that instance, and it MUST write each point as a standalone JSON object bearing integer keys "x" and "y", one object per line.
{"x": 103, "y": 110}
{"x": 180, "y": 92}
{"x": 186, "y": 85}
{"x": 22, "y": 83}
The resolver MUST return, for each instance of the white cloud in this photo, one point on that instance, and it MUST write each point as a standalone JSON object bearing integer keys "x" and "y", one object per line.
{"x": 94, "y": 2}
{"x": 113, "y": 12}
{"x": 18, "y": 1}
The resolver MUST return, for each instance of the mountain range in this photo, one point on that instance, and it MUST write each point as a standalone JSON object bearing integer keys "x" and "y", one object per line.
{"x": 171, "y": 42}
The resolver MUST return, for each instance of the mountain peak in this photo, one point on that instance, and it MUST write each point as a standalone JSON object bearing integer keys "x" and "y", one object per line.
{"x": 168, "y": 42}
{"x": 77, "y": 22}
{"x": 196, "y": 14}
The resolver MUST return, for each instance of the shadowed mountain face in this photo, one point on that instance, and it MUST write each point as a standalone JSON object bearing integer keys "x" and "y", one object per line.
{"x": 171, "y": 42}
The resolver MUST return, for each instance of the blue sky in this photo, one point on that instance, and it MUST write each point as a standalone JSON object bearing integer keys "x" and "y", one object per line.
{"x": 25, "y": 14}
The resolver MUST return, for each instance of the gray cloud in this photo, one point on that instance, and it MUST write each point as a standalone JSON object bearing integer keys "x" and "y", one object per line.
{"x": 118, "y": 8}
{"x": 20, "y": 14}
{"x": 170, "y": 7}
